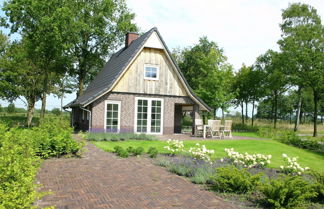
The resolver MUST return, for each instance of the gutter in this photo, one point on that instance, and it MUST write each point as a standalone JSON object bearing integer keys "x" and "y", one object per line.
{"x": 89, "y": 116}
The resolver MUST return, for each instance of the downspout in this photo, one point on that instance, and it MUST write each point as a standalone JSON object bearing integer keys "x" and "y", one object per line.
{"x": 89, "y": 116}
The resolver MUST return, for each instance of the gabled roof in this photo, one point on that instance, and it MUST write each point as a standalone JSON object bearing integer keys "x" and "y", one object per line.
{"x": 115, "y": 67}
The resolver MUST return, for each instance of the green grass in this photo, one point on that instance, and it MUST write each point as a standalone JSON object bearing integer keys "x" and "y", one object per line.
{"x": 306, "y": 158}
{"x": 246, "y": 134}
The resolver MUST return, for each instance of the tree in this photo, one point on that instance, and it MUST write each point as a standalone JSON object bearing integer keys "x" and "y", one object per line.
{"x": 302, "y": 43}
{"x": 20, "y": 77}
{"x": 98, "y": 28}
{"x": 241, "y": 88}
{"x": 46, "y": 26}
{"x": 56, "y": 111}
{"x": 11, "y": 108}
{"x": 208, "y": 73}
{"x": 271, "y": 63}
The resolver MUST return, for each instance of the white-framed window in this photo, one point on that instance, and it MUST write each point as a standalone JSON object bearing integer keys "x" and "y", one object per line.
{"x": 112, "y": 116}
{"x": 151, "y": 72}
{"x": 148, "y": 115}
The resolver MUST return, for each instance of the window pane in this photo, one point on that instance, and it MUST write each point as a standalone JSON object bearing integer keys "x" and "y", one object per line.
{"x": 115, "y": 114}
{"x": 109, "y": 114}
{"x": 115, "y": 107}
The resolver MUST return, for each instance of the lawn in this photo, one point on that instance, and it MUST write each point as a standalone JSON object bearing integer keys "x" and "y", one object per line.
{"x": 246, "y": 134}
{"x": 306, "y": 158}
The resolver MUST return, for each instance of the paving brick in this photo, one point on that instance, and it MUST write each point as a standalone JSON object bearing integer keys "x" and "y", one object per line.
{"x": 102, "y": 180}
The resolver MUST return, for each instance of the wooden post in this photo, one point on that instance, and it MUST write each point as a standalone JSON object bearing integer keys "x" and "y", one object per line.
{"x": 195, "y": 115}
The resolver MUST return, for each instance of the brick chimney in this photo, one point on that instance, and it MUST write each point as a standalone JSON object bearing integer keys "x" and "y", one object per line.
{"x": 130, "y": 37}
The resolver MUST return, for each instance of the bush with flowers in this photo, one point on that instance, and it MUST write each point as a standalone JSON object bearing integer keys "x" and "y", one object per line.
{"x": 247, "y": 160}
{"x": 291, "y": 166}
{"x": 200, "y": 152}
{"x": 174, "y": 146}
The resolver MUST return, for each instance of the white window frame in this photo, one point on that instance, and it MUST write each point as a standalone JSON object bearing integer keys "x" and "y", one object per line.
{"x": 119, "y": 110}
{"x": 157, "y": 72}
{"x": 149, "y": 112}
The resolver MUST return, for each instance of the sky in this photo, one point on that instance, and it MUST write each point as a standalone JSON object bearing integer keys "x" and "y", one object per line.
{"x": 244, "y": 29}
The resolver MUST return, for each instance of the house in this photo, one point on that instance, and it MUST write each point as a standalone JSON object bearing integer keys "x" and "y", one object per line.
{"x": 140, "y": 89}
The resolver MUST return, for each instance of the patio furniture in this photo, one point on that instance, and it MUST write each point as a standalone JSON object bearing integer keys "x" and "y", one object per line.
{"x": 199, "y": 127}
{"x": 228, "y": 128}
{"x": 215, "y": 128}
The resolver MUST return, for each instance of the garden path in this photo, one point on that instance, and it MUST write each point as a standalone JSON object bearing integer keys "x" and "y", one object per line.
{"x": 102, "y": 180}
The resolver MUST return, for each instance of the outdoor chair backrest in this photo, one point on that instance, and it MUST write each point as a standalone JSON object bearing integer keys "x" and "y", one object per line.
{"x": 199, "y": 123}
{"x": 228, "y": 125}
{"x": 214, "y": 124}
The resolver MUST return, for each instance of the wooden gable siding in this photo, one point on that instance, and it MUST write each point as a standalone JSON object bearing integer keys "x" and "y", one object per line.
{"x": 133, "y": 80}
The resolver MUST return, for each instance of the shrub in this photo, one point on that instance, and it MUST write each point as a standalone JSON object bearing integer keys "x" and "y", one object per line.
{"x": 202, "y": 175}
{"x": 244, "y": 127}
{"x": 138, "y": 151}
{"x": 102, "y": 136}
{"x": 53, "y": 138}
{"x": 152, "y": 152}
{"x": 121, "y": 152}
{"x": 130, "y": 149}
{"x": 291, "y": 166}
{"x": 318, "y": 186}
{"x": 200, "y": 152}
{"x": 247, "y": 160}
{"x": 18, "y": 167}
{"x": 174, "y": 146}
{"x": 287, "y": 192}
{"x": 234, "y": 180}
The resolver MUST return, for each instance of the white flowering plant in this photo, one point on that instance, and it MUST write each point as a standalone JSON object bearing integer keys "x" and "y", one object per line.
{"x": 174, "y": 146}
{"x": 291, "y": 166}
{"x": 200, "y": 152}
{"x": 248, "y": 160}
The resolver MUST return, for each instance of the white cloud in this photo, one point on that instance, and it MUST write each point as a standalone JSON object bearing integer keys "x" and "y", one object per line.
{"x": 243, "y": 28}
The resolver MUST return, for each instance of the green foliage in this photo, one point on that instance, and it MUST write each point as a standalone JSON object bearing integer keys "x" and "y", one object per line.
{"x": 318, "y": 186}
{"x": 53, "y": 138}
{"x": 153, "y": 152}
{"x": 138, "y": 151}
{"x": 92, "y": 136}
{"x": 234, "y": 180}
{"x": 206, "y": 69}
{"x": 244, "y": 127}
{"x": 291, "y": 138}
{"x": 302, "y": 46}
{"x": 121, "y": 152}
{"x": 287, "y": 192}
{"x": 98, "y": 27}
{"x": 56, "y": 111}
{"x": 18, "y": 167}
{"x": 11, "y": 108}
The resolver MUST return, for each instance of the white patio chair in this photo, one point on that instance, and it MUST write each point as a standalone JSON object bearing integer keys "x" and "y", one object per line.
{"x": 228, "y": 128}
{"x": 199, "y": 127}
{"x": 214, "y": 128}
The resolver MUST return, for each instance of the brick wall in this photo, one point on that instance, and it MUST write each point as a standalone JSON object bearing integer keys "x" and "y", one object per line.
{"x": 128, "y": 110}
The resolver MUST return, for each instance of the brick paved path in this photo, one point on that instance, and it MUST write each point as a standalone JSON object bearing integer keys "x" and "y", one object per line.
{"x": 102, "y": 180}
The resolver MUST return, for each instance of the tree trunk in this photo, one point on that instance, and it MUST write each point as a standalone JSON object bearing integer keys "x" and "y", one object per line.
{"x": 214, "y": 115}
{"x": 43, "y": 108}
{"x": 275, "y": 111}
{"x": 246, "y": 111}
{"x": 316, "y": 98}
{"x": 272, "y": 110}
{"x": 223, "y": 116}
{"x": 252, "y": 121}
{"x": 297, "y": 121}
{"x": 62, "y": 96}
{"x": 30, "y": 110}
{"x": 81, "y": 80}
{"x": 242, "y": 111}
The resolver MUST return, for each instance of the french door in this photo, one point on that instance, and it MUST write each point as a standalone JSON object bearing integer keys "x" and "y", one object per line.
{"x": 112, "y": 116}
{"x": 149, "y": 115}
